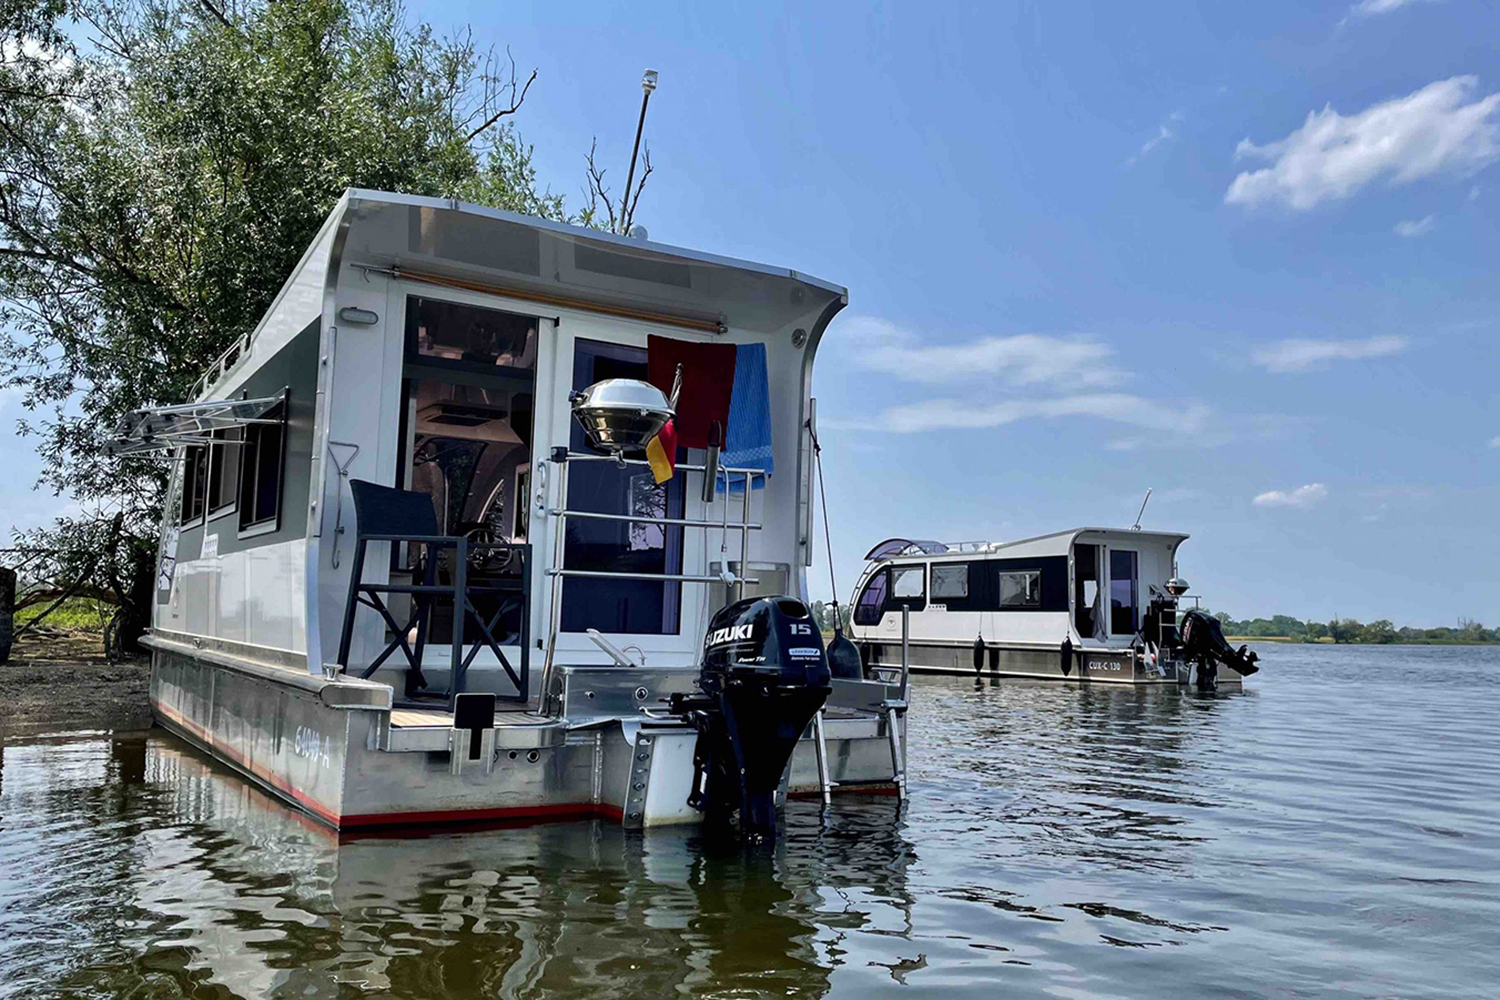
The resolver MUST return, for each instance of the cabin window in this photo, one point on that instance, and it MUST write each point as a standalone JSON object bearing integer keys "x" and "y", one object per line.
{"x": 871, "y": 604}
{"x": 1123, "y": 597}
{"x": 950, "y": 580}
{"x": 908, "y": 583}
{"x": 455, "y": 335}
{"x": 194, "y": 484}
{"x": 630, "y": 606}
{"x": 262, "y": 458}
{"x": 224, "y": 471}
{"x": 1021, "y": 590}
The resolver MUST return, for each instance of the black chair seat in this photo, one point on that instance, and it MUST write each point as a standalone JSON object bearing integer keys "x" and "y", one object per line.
{"x": 386, "y": 514}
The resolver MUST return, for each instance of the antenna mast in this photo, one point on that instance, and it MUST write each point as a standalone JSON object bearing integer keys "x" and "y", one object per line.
{"x": 1137, "y": 525}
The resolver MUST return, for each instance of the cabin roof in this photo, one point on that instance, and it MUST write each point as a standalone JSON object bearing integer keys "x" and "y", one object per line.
{"x": 583, "y": 234}
{"x": 892, "y": 549}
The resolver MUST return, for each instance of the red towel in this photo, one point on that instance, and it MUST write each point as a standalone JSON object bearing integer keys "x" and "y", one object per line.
{"x": 707, "y": 380}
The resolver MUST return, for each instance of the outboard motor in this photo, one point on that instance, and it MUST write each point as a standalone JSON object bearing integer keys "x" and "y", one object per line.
{"x": 1203, "y": 640}
{"x": 763, "y": 678}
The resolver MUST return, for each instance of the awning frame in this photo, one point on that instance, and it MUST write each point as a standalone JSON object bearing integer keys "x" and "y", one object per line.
{"x": 166, "y": 428}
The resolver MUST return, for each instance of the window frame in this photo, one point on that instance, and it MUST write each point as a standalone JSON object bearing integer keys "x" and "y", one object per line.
{"x": 223, "y": 442}
{"x": 267, "y": 524}
{"x": 194, "y": 502}
{"x": 1035, "y": 586}
{"x": 1132, "y": 556}
{"x": 881, "y": 576}
{"x": 961, "y": 568}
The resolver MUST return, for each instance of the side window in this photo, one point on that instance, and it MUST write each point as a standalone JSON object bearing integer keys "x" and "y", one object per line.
{"x": 871, "y": 603}
{"x": 950, "y": 580}
{"x": 1021, "y": 590}
{"x": 194, "y": 483}
{"x": 262, "y": 457}
{"x": 1123, "y": 599}
{"x": 908, "y": 582}
{"x": 224, "y": 471}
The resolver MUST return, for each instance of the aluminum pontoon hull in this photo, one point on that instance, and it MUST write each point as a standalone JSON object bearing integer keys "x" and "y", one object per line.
{"x": 1089, "y": 665}
{"x": 336, "y": 749}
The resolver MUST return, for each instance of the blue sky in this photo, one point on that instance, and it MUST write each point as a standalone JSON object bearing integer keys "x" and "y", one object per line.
{"x": 1244, "y": 254}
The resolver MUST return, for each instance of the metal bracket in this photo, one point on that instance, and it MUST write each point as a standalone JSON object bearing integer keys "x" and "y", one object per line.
{"x": 461, "y": 750}
{"x": 638, "y": 781}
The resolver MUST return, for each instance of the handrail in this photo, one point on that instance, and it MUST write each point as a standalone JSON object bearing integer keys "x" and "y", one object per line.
{"x": 605, "y": 574}
{"x": 681, "y": 522}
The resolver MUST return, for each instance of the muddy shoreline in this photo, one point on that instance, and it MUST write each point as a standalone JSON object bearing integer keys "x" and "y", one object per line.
{"x": 64, "y": 684}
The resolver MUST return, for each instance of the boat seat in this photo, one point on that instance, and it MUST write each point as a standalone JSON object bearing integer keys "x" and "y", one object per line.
{"x": 387, "y": 514}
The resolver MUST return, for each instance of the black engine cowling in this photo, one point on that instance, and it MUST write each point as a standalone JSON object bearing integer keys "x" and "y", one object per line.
{"x": 1202, "y": 639}
{"x": 763, "y": 677}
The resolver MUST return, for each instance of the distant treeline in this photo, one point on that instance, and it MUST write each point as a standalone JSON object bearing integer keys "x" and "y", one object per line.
{"x": 1350, "y": 630}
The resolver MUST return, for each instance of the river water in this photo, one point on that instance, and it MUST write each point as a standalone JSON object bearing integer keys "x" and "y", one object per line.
{"x": 1333, "y": 831}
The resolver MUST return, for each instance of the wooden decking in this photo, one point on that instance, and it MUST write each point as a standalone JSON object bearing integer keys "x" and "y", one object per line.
{"x": 408, "y": 718}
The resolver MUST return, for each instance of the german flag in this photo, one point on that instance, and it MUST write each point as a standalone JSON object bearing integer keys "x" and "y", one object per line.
{"x": 661, "y": 452}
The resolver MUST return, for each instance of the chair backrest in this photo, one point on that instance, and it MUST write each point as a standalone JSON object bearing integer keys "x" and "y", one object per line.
{"x": 384, "y": 510}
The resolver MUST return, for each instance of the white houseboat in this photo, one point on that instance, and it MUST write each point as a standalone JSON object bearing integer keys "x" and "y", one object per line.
{"x": 1087, "y": 604}
{"x": 415, "y": 567}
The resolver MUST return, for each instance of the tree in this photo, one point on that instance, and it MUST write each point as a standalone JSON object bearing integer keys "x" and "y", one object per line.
{"x": 1345, "y": 630}
{"x": 1379, "y": 631}
{"x": 160, "y": 178}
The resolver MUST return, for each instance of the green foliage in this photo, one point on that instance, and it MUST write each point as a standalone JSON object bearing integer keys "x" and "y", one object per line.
{"x": 83, "y": 614}
{"x": 822, "y": 613}
{"x": 1347, "y": 630}
{"x": 160, "y": 182}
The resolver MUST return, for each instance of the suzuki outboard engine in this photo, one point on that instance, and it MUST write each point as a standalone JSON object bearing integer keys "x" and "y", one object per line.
{"x": 764, "y": 676}
{"x": 1203, "y": 640}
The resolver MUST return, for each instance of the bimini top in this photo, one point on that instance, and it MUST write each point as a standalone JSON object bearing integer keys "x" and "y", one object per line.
{"x": 893, "y": 547}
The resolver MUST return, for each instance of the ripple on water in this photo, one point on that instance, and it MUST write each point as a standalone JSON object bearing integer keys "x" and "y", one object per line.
{"x": 1329, "y": 832}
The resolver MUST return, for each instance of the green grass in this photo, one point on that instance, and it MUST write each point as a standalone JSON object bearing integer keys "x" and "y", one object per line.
{"x": 88, "y": 614}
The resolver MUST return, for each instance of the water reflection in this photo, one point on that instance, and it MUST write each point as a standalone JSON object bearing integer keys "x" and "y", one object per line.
{"x": 1062, "y": 841}
{"x": 214, "y": 884}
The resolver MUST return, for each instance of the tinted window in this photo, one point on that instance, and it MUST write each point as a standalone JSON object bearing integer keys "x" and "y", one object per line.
{"x": 871, "y": 603}
{"x": 224, "y": 471}
{"x": 194, "y": 483}
{"x": 1021, "y": 590}
{"x": 1122, "y": 591}
{"x": 649, "y": 607}
{"x": 261, "y": 461}
{"x": 950, "y": 580}
{"x": 457, "y": 335}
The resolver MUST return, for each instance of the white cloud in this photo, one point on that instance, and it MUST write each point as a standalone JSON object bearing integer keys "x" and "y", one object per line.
{"x": 1495, "y": 441}
{"x": 1426, "y": 133}
{"x": 1301, "y": 355}
{"x": 1369, "y": 8}
{"x": 1022, "y": 359}
{"x": 1409, "y": 228}
{"x": 954, "y": 414}
{"x": 1302, "y": 497}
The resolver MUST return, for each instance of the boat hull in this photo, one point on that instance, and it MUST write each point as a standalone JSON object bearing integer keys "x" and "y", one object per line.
{"x": 335, "y": 749}
{"x": 1088, "y": 665}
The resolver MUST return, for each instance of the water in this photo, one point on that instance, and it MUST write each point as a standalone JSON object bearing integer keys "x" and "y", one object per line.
{"x": 1332, "y": 832}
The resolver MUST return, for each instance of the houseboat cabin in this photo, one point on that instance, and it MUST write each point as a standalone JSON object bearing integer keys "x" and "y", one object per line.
{"x": 1088, "y": 604}
{"x": 420, "y": 564}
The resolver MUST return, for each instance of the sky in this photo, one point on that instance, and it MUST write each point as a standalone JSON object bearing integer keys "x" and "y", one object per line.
{"x": 1243, "y": 254}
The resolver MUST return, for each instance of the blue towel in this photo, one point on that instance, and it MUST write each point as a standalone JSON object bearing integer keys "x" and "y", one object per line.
{"x": 747, "y": 439}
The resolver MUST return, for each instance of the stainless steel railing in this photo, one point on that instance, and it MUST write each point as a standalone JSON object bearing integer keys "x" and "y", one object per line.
{"x": 560, "y": 513}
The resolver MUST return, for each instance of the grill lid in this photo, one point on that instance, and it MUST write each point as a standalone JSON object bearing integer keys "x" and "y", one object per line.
{"x": 620, "y": 414}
